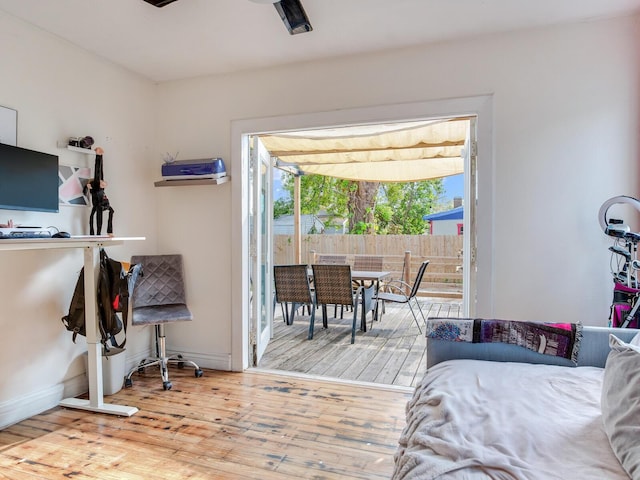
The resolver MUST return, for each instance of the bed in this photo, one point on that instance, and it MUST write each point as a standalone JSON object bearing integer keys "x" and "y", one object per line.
{"x": 524, "y": 400}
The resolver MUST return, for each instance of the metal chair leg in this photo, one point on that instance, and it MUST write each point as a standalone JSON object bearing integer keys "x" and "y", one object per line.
{"x": 162, "y": 361}
{"x": 414, "y": 315}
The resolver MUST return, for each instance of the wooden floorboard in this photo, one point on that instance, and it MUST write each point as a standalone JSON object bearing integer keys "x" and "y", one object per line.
{"x": 392, "y": 352}
{"x": 250, "y": 425}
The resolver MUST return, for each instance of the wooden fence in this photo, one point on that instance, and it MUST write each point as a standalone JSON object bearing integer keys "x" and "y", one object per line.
{"x": 442, "y": 278}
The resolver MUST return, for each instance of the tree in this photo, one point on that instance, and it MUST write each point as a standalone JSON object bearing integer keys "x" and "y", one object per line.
{"x": 317, "y": 193}
{"x": 402, "y": 205}
{"x": 361, "y": 205}
{"x": 371, "y": 207}
{"x": 282, "y": 207}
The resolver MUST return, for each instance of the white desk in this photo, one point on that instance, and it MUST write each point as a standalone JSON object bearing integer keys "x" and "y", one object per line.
{"x": 91, "y": 246}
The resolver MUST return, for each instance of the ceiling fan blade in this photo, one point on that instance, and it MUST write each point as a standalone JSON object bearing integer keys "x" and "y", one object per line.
{"x": 159, "y": 3}
{"x": 293, "y": 15}
{"x": 291, "y": 12}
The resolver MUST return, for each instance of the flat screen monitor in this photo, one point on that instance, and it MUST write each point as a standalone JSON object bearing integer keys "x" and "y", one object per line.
{"x": 28, "y": 180}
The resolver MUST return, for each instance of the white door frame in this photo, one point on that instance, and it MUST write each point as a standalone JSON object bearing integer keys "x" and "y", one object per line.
{"x": 470, "y": 238}
{"x": 479, "y": 106}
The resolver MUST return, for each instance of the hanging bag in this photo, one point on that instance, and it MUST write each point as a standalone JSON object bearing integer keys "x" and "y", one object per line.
{"x": 114, "y": 287}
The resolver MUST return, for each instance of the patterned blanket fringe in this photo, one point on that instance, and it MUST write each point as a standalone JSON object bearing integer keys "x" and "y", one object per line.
{"x": 469, "y": 330}
{"x": 576, "y": 344}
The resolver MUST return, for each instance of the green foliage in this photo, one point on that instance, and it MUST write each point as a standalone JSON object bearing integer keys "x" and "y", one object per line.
{"x": 317, "y": 193}
{"x": 398, "y": 207}
{"x": 360, "y": 228}
{"x": 407, "y": 203}
{"x": 282, "y": 207}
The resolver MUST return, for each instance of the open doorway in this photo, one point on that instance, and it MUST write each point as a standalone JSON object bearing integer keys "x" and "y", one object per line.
{"x": 244, "y": 342}
{"x": 395, "y": 176}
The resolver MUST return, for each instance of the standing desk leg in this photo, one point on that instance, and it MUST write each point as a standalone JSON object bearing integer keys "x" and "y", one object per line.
{"x": 94, "y": 347}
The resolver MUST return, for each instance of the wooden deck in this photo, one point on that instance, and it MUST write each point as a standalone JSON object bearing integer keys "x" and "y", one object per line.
{"x": 224, "y": 425}
{"x": 391, "y": 353}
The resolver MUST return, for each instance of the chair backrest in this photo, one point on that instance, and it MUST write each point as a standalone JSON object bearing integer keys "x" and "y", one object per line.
{"x": 161, "y": 283}
{"x": 332, "y": 284}
{"x": 331, "y": 259}
{"x": 420, "y": 274}
{"x": 369, "y": 263}
{"x": 292, "y": 283}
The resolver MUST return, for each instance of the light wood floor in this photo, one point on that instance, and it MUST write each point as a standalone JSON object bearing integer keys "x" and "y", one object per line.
{"x": 391, "y": 353}
{"x": 224, "y": 425}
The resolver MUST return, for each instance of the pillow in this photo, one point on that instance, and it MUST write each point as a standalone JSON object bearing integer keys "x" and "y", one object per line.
{"x": 620, "y": 402}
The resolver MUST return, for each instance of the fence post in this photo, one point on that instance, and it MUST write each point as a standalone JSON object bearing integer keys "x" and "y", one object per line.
{"x": 312, "y": 257}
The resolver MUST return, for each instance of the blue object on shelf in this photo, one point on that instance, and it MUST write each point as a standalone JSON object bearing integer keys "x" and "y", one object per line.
{"x": 185, "y": 169}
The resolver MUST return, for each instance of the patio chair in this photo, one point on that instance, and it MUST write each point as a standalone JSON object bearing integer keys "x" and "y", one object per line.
{"x": 333, "y": 286}
{"x": 323, "y": 259}
{"x": 387, "y": 281}
{"x": 292, "y": 286}
{"x": 370, "y": 263}
{"x": 332, "y": 259}
{"x": 396, "y": 293}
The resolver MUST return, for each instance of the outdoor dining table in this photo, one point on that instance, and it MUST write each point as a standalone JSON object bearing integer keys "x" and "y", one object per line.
{"x": 364, "y": 276}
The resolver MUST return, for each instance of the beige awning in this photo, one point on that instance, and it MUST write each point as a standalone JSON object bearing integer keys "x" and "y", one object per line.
{"x": 399, "y": 152}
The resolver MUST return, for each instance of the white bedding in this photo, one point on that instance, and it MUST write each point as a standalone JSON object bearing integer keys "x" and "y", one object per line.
{"x": 473, "y": 419}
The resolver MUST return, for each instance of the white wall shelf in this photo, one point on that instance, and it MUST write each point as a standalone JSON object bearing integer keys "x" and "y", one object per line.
{"x": 195, "y": 181}
{"x": 86, "y": 151}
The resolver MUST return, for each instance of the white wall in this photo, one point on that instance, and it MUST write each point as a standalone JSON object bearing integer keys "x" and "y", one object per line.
{"x": 565, "y": 138}
{"x": 565, "y": 123}
{"x": 61, "y": 91}
{"x": 445, "y": 227}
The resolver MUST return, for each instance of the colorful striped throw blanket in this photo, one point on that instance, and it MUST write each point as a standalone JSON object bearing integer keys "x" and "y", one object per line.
{"x": 555, "y": 339}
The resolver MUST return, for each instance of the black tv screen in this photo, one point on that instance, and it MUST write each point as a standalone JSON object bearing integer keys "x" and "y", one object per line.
{"x": 28, "y": 180}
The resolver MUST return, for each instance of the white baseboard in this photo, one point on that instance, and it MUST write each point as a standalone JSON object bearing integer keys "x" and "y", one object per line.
{"x": 17, "y": 409}
{"x": 20, "y": 408}
{"x": 203, "y": 360}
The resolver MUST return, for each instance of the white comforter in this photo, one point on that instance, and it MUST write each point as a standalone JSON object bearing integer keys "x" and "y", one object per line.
{"x": 472, "y": 419}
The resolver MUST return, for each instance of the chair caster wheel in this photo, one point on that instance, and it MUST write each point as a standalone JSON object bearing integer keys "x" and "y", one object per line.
{"x": 198, "y": 373}
{"x": 167, "y": 385}
{"x": 128, "y": 383}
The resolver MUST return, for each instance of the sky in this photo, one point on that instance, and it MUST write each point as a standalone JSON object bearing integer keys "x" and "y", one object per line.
{"x": 453, "y": 186}
{"x": 278, "y": 191}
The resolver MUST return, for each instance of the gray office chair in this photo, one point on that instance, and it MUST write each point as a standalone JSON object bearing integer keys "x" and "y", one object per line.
{"x": 159, "y": 298}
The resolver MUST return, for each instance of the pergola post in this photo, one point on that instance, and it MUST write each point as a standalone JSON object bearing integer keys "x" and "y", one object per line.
{"x": 296, "y": 220}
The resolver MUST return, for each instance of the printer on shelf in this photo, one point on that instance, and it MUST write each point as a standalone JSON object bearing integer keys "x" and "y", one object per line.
{"x": 193, "y": 169}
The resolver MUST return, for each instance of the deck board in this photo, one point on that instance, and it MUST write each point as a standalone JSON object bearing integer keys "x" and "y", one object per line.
{"x": 391, "y": 352}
